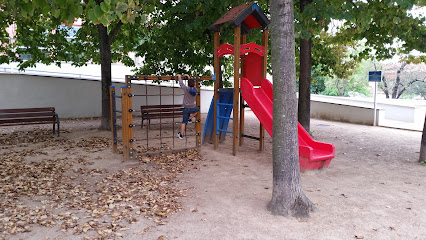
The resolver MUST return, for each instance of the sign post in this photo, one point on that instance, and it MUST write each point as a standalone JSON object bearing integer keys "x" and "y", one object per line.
{"x": 375, "y": 76}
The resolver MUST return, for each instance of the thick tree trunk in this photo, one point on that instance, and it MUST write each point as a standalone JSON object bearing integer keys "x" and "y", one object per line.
{"x": 304, "y": 107}
{"x": 287, "y": 195}
{"x": 105, "y": 52}
{"x": 422, "y": 157}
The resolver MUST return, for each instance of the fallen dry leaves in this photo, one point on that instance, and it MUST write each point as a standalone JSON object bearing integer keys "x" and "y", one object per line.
{"x": 42, "y": 188}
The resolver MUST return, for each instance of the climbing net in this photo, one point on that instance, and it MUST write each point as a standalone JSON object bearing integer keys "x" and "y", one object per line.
{"x": 151, "y": 117}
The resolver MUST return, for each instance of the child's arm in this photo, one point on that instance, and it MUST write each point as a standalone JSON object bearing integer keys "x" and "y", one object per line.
{"x": 182, "y": 85}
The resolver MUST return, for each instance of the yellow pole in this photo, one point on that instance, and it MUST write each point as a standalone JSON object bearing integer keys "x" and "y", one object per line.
{"x": 124, "y": 122}
{"x": 198, "y": 116}
{"x": 243, "y": 41}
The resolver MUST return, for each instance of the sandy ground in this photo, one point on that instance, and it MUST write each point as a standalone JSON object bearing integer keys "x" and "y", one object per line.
{"x": 373, "y": 189}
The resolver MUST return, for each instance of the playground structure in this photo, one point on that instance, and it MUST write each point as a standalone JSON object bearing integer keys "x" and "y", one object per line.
{"x": 127, "y": 119}
{"x": 255, "y": 89}
{"x": 253, "y": 60}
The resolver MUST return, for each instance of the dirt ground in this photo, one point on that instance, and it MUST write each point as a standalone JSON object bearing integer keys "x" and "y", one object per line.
{"x": 73, "y": 187}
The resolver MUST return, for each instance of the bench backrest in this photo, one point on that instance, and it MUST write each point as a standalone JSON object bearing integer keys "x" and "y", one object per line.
{"x": 160, "y": 111}
{"x": 161, "y": 108}
{"x": 27, "y": 115}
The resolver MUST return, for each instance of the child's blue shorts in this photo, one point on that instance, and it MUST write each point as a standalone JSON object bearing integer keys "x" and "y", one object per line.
{"x": 187, "y": 112}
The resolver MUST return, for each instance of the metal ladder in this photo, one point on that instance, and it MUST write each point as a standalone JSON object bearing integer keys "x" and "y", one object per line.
{"x": 218, "y": 116}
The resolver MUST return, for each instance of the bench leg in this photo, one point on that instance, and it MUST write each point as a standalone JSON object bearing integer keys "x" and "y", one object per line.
{"x": 57, "y": 123}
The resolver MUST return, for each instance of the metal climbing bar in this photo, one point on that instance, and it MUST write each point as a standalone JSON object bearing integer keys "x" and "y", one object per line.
{"x": 224, "y": 104}
{"x": 223, "y": 130}
{"x": 168, "y": 78}
{"x": 155, "y": 95}
{"x": 161, "y": 139}
{"x": 146, "y": 103}
{"x": 251, "y": 137}
{"x": 173, "y": 102}
{"x": 113, "y": 110}
{"x": 222, "y": 117}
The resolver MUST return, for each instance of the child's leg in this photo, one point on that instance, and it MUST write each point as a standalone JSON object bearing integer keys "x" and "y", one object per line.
{"x": 194, "y": 112}
{"x": 182, "y": 128}
{"x": 193, "y": 115}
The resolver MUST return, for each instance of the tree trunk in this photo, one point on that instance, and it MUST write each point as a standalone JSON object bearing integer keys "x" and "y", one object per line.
{"x": 287, "y": 195}
{"x": 398, "y": 80}
{"x": 385, "y": 87}
{"x": 304, "y": 107}
{"x": 422, "y": 157}
{"x": 105, "y": 51}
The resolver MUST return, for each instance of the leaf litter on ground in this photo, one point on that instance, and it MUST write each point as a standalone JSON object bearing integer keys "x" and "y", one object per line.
{"x": 68, "y": 192}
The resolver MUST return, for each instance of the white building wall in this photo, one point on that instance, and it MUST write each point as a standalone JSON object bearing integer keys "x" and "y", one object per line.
{"x": 77, "y": 98}
{"x": 70, "y": 97}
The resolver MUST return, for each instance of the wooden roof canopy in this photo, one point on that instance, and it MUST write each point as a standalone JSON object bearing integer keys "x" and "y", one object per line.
{"x": 248, "y": 16}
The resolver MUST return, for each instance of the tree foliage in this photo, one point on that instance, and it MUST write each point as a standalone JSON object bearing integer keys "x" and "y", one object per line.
{"x": 349, "y": 85}
{"x": 418, "y": 89}
{"x": 110, "y": 29}
{"x": 178, "y": 39}
{"x": 381, "y": 24}
{"x": 44, "y": 30}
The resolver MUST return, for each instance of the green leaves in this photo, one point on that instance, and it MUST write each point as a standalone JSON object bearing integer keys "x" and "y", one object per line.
{"x": 48, "y": 42}
{"x": 121, "y": 6}
{"x": 98, "y": 12}
{"x": 105, "y": 7}
{"x": 111, "y": 11}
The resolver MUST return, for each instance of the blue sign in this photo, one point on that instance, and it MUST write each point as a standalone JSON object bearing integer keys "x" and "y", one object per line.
{"x": 375, "y": 76}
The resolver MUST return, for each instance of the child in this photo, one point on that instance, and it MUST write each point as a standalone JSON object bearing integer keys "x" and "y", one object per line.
{"x": 189, "y": 108}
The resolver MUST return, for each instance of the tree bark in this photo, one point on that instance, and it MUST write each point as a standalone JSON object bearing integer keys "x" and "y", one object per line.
{"x": 422, "y": 157}
{"x": 305, "y": 61}
{"x": 385, "y": 87}
{"x": 288, "y": 199}
{"x": 398, "y": 80}
{"x": 105, "y": 52}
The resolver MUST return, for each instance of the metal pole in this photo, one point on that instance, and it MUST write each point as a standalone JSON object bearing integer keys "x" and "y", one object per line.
{"x": 113, "y": 119}
{"x": 216, "y": 88}
{"x": 375, "y": 103}
{"x": 235, "y": 123}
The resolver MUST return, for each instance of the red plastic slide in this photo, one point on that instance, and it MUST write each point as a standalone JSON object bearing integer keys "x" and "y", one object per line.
{"x": 312, "y": 154}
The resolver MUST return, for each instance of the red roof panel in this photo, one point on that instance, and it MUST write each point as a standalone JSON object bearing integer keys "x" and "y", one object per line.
{"x": 231, "y": 14}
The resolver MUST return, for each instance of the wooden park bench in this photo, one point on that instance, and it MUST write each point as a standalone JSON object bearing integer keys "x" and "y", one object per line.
{"x": 149, "y": 112}
{"x": 29, "y": 116}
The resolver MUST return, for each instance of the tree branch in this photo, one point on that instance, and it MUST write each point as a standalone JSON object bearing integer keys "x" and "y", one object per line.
{"x": 385, "y": 85}
{"x": 353, "y": 4}
{"x": 114, "y": 32}
{"x": 408, "y": 86}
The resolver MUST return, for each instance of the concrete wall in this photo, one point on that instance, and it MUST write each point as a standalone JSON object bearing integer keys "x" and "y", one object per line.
{"x": 70, "y": 97}
{"x": 76, "y": 98}
{"x": 396, "y": 109}
{"x": 345, "y": 113}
